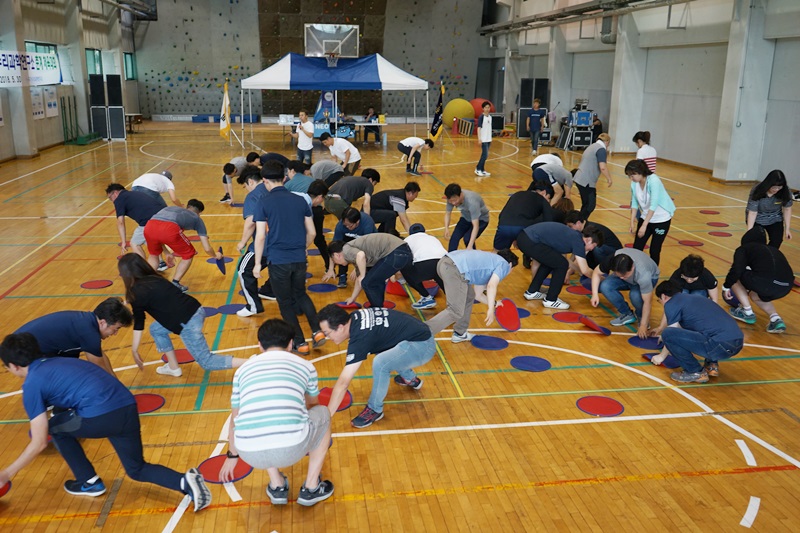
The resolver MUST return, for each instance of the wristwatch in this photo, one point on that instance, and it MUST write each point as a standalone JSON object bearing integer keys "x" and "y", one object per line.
{"x": 229, "y": 455}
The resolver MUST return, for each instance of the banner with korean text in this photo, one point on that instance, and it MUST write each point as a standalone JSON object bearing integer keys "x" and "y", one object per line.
{"x": 23, "y": 69}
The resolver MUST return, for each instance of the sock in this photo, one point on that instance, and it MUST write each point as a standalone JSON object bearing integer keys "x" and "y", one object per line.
{"x": 748, "y": 310}
{"x": 774, "y": 317}
{"x": 95, "y": 479}
{"x": 183, "y": 484}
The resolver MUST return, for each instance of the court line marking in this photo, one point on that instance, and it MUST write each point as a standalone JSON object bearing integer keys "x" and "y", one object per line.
{"x": 752, "y": 510}
{"x": 107, "y": 145}
{"x": 748, "y": 455}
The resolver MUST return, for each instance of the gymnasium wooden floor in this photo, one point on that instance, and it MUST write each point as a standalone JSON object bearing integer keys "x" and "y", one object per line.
{"x": 481, "y": 446}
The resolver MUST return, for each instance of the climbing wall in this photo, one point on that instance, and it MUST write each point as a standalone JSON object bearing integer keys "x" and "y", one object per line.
{"x": 436, "y": 40}
{"x": 185, "y": 57}
{"x": 281, "y": 25}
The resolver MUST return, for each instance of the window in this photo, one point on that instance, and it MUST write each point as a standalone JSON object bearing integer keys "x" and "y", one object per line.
{"x": 94, "y": 62}
{"x": 130, "y": 66}
{"x": 40, "y": 48}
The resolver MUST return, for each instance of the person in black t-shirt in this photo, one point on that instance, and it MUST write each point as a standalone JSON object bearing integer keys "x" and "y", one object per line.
{"x": 611, "y": 242}
{"x": 399, "y": 341}
{"x": 387, "y": 206}
{"x": 692, "y": 277}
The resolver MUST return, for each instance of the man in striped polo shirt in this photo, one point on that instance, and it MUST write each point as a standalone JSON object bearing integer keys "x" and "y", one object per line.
{"x": 276, "y": 418}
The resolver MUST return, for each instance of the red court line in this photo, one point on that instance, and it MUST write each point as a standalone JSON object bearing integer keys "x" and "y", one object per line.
{"x": 44, "y": 264}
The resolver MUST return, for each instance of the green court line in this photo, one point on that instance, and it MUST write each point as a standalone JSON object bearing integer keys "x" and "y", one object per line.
{"x": 34, "y": 296}
{"x": 44, "y": 183}
{"x": 204, "y": 384}
{"x": 90, "y": 178}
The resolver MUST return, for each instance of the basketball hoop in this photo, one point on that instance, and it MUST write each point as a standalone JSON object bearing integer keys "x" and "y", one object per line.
{"x": 333, "y": 59}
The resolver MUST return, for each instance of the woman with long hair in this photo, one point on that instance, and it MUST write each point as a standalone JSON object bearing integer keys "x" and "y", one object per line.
{"x": 654, "y": 206}
{"x": 645, "y": 152}
{"x": 173, "y": 311}
{"x": 770, "y": 206}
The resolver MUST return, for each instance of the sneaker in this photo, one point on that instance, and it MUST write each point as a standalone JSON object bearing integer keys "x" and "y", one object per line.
{"x": 776, "y": 327}
{"x": 270, "y": 297}
{"x": 225, "y": 199}
{"x": 526, "y": 262}
{"x": 740, "y": 314}
{"x": 690, "y": 377}
{"x": 279, "y": 496}
{"x": 342, "y": 284}
{"x": 308, "y": 497}
{"x": 318, "y": 339}
{"x": 712, "y": 368}
{"x": 162, "y": 266}
{"x": 535, "y": 295}
{"x": 558, "y": 304}
{"x": 366, "y": 418}
{"x": 533, "y": 152}
{"x": 196, "y": 488}
{"x": 302, "y": 349}
{"x": 479, "y": 172}
{"x": 165, "y": 370}
{"x": 245, "y": 312}
{"x": 424, "y": 303}
{"x": 414, "y": 173}
{"x": 623, "y": 320}
{"x": 415, "y": 384}
{"x": 183, "y": 288}
{"x": 456, "y": 338}
{"x": 377, "y": 143}
{"x": 92, "y": 490}
{"x": 486, "y": 174}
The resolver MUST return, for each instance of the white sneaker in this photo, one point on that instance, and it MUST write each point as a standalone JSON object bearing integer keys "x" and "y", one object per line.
{"x": 479, "y": 173}
{"x": 456, "y": 338}
{"x": 486, "y": 174}
{"x": 534, "y": 295}
{"x": 167, "y": 371}
{"x": 558, "y": 304}
{"x": 245, "y": 312}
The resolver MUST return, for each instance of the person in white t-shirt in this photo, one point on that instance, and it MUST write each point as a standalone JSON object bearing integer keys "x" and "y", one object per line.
{"x": 305, "y": 138}
{"x": 427, "y": 250}
{"x": 344, "y": 151}
{"x": 276, "y": 418}
{"x": 484, "y": 124}
{"x": 412, "y": 147}
{"x": 154, "y": 185}
{"x": 645, "y": 152}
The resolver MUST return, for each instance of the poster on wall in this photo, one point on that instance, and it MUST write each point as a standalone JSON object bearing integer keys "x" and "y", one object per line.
{"x": 21, "y": 69}
{"x": 37, "y": 103}
{"x": 50, "y": 102}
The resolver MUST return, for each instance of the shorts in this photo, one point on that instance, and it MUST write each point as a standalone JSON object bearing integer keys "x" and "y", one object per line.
{"x": 159, "y": 232}
{"x": 138, "y": 237}
{"x": 227, "y": 179}
{"x": 767, "y": 289}
{"x": 319, "y": 422}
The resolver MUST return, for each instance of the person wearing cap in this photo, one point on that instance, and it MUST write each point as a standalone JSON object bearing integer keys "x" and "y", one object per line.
{"x": 426, "y": 250}
{"x": 154, "y": 185}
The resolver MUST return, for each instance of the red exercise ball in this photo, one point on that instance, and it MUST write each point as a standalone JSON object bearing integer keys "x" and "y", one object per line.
{"x": 477, "y": 105}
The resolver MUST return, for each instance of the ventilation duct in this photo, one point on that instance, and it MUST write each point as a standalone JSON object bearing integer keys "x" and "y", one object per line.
{"x": 608, "y": 30}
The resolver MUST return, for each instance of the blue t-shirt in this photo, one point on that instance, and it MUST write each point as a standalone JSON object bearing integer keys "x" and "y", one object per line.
{"x": 285, "y": 213}
{"x": 274, "y": 156}
{"x": 365, "y": 226}
{"x": 72, "y": 384}
{"x": 66, "y": 333}
{"x": 698, "y": 313}
{"x": 137, "y": 205}
{"x": 477, "y": 267}
{"x": 299, "y": 183}
{"x": 536, "y": 116}
{"x": 250, "y": 203}
{"x": 557, "y": 236}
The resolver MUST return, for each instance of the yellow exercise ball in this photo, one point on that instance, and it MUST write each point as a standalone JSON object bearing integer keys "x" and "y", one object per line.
{"x": 457, "y": 108}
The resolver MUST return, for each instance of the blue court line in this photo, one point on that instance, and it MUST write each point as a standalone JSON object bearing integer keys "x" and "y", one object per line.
{"x": 44, "y": 183}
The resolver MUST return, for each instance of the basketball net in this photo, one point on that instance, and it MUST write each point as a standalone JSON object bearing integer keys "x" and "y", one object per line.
{"x": 333, "y": 59}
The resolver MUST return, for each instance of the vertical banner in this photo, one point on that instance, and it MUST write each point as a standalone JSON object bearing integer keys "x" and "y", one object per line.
{"x": 225, "y": 115}
{"x": 436, "y": 124}
{"x": 37, "y": 103}
{"x": 50, "y": 102}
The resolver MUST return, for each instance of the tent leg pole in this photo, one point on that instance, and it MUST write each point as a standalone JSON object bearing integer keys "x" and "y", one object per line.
{"x": 414, "y": 99}
{"x": 250, "y": 106}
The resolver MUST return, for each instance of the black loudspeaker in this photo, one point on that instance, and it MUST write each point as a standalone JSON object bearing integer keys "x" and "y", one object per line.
{"x": 114, "y": 88}
{"x": 116, "y": 122}
{"x": 526, "y": 92}
{"x": 100, "y": 121}
{"x": 541, "y": 86}
{"x": 97, "y": 90}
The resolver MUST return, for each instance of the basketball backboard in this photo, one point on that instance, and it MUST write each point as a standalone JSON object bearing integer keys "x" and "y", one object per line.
{"x": 325, "y": 39}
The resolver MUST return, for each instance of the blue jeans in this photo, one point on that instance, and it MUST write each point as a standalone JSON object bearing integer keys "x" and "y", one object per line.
{"x": 152, "y": 194}
{"x": 374, "y": 282}
{"x": 683, "y": 343}
{"x": 463, "y": 230}
{"x": 304, "y": 156}
{"x": 194, "y": 340}
{"x": 484, "y": 155}
{"x": 505, "y": 236}
{"x": 402, "y": 358}
{"x": 699, "y": 292}
{"x": 612, "y": 288}
{"x": 121, "y": 428}
{"x": 535, "y": 139}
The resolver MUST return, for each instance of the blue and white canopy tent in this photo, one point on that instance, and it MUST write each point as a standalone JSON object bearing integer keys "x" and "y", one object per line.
{"x": 296, "y": 72}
